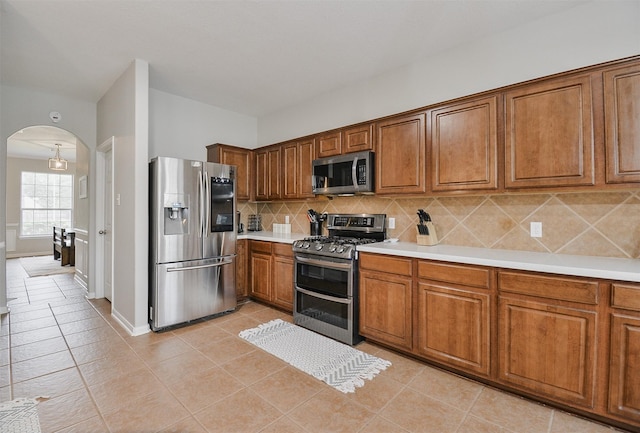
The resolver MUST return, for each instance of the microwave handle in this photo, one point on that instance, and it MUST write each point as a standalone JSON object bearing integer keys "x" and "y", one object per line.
{"x": 354, "y": 173}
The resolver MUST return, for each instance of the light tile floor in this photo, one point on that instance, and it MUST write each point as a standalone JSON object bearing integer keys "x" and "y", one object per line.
{"x": 204, "y": 378}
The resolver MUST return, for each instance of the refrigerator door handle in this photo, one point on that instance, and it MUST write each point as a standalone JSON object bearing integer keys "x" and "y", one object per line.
{"x": 189, "y": 268}
{"x": 207, "y": 203}
{"x": 201, "y": 204}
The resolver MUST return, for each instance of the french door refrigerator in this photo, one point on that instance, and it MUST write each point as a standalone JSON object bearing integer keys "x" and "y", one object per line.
{"x": 192, "y": 255}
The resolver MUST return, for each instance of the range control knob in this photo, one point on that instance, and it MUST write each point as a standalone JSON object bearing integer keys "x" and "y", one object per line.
{"x": 318, "y": 246}
{"x": 306, "y": 244}
{"x": 333, "y": 248}
{"x": 341, "y": 249}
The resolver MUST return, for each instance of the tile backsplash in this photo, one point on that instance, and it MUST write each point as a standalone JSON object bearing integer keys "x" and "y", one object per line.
{"x": 603, "y": 224}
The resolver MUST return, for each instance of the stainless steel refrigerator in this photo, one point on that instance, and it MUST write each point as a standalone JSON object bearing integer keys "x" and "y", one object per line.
{"x": 192, "y": 240}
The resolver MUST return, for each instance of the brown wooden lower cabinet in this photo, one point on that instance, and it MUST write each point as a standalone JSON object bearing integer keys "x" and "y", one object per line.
{"x": 624, "y": 376}
{"x": 271, "y": 276}
{"x": 260, "y": 270}
{"x": 624, "y": 379}
{"x": 386, "y": 300}
{"x": 453, "y": 315}
{"x": 540, "y": 335}
{"x": 453, "y": 326}
{"x": 241, "y": 269}
{"x": 283, "y": 276}
{"x": 548, "y": 349}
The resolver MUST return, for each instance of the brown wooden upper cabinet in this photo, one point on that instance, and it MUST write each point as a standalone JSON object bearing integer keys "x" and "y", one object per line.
{"x": 622, "y": 123}
{"x": 261, "y": 174}
{"x": 290, "y": 182}
{"x": 268, "y": 173}
{"x": 329, "y": 144}
{"x": 549, "y": 134}
{"x": 242, "y": 158}
{"x": 297, "y": 159}
{"x": 400, "y": 155}
{"x": 358, "y": 138}
{"x": 464, "y": 145}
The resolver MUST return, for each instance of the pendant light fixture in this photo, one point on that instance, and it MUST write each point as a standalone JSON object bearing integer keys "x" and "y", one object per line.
{"x": 57, "y": 163}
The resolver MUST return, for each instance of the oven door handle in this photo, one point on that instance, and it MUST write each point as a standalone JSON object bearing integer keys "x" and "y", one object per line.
{"x": 323, "y": 263}
{"x": 325, "y": 297}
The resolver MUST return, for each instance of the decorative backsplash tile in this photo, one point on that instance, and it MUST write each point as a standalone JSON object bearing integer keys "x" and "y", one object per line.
{"x": 603, "y": 224}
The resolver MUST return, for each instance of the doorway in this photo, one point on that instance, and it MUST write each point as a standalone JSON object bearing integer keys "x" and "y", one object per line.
{"x": 54, "y": 154}
{"x": 104, "y": 220}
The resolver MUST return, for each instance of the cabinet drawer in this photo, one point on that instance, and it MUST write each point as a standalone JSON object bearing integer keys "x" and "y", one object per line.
{"x": 387, "y": 264}
{"x": 457, "y": 274}
{"x": 626, "y": 296}
{"x": 261, "y": 247}
{"x": 282, "y": 249}
{"x": 565, "y": 289}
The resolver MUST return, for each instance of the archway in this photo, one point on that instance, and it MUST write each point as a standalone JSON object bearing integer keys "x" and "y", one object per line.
{"x": 28, "y": 150}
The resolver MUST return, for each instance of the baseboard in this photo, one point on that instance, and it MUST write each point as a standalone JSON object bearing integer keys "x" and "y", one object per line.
{"x": 33, "y": 254}
{"x": 134, "y": 331}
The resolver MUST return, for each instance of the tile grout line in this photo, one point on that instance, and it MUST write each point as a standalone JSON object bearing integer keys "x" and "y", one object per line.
{"x": 77, "y": 367}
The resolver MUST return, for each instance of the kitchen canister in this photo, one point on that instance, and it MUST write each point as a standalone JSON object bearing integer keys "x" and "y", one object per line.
{"x": 254, "y": 223}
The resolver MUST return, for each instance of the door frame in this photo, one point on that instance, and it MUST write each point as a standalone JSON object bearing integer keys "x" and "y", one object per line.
{"x": 103, "y": 148}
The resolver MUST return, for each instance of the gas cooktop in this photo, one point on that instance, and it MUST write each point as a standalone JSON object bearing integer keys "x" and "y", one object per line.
{"x": 346, "y": 231}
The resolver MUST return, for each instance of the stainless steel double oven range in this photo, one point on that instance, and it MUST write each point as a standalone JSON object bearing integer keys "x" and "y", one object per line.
{"x": 326, "y": 275}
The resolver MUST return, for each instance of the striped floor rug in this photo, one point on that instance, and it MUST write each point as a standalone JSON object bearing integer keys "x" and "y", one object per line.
{"x": 334, "y": 363}
{"x": 19, "y": 416}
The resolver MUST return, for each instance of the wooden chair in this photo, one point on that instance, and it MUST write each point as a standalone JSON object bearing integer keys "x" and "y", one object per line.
{"x": 64, "y": 248}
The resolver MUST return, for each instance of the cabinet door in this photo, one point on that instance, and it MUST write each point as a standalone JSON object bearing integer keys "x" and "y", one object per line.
{"x": 358, "y": 138}
{"x": 549, "y": 134}
{"x": 464, "y": 146}
{"x": 283, "y": 282}
{"x": 241, "y": 158}
{"x": 385, "y": 308}
{"x": 329, "y": 144}
{"x": 549, "y": 349}
{"x": 241, "y": 269}
{"x": 261, "y": 276}
{"x": 400, "y": 155}
{"x": 290, "y": 183}
{"x": 622, "y": 123}
{"x": 260, "y": 269}
{"x": 624, "y": 389}
{"x": 274, "y": 174}
{"x": 262, "y": 173}
{"x": 453, "y": 326}
{"x": 306, "y": 155}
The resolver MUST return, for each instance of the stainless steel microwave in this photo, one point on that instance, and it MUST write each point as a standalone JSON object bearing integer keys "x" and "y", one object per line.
{"x": 348, "y": 174}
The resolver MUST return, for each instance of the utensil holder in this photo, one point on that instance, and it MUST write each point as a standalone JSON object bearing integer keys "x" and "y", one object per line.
{"x": 315, "y": 228}
{"x": 431, "y": 238}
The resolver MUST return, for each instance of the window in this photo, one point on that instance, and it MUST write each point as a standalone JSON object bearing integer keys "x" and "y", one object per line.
{"x": 46, "y": 201}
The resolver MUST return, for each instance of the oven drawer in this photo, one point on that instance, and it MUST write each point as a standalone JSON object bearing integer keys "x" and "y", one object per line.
{"x": 321, "y": 275}
{"x": 333, "y": 317}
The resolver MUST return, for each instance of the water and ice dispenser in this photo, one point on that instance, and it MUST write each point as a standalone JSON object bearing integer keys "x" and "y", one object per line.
{"x": 176, "y": 214}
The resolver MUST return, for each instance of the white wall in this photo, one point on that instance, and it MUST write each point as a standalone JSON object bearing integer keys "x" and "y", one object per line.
{"x": 123, "y": 112}
{"x": 19, "y": 108}
{"x": 182, "y": 128}
{"x": 585, "y": 35}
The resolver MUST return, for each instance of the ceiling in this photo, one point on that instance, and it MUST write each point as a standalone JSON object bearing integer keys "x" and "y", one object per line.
{"x": 39, "y": 142}
{"x": 251, "y": 57}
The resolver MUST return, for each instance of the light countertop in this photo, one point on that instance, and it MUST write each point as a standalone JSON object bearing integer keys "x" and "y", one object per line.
{"x": 579, "y": 266}
{"x": 563, "y": 264}
{"x": 284, "y": 238}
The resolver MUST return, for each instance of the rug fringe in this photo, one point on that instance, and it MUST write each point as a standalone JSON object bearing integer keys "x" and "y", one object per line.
{"x": 254, "y": 331}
